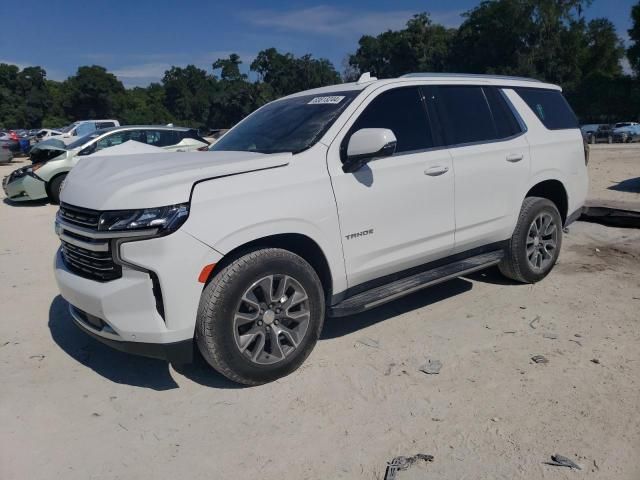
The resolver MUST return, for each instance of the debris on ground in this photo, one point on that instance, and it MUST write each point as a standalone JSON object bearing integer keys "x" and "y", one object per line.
{"x": 532, "y": 322}
{"x": 539, "y": 359}
{"x": 432, "y": 367}
{"x": 368, "y": 342}
{"x": 403, "y": 463}
{"x": 550, "y": 336}
{"x": 38, "y": 357}
{"x": 596, "y": 361}
{"x": 389, "y": 369}
{"x": 560, "y": 461}
{"x": 575, "y": 341}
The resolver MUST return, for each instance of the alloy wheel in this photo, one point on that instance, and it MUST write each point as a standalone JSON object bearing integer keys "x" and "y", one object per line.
{"x": 271, "y": 319}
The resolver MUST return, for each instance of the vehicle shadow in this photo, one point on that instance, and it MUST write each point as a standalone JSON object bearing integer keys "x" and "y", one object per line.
{"x": 28, "y": 203}
{"x": 120, "y": 367}
{"x": 492, "y": 276}
{"x": 629, "y": 185}
{"x": 338, "y": 327}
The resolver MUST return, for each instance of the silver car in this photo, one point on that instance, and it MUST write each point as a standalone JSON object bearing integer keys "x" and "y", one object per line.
{"x": 6, "y": 155}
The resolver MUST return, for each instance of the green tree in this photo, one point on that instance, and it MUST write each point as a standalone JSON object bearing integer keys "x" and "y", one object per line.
{"x": 633, "y": 53}
{"x": 286, "y": 74}
{"x": 188, "y": 94}
{"x": 92, "y": 93}
{"x": 421, "y": 46}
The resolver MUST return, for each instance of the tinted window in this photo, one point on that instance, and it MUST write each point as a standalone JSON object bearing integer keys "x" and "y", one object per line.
{"x": 401, "y": 111}
{"x": 505, "y": 120}
{"x": 162, "y": 138}
{"x": 550, "y": 107}
{"x": 289, "y": 125}
{"x": 113, "y": 140}
{"x": 465, "y": 114}
{"x": 105, "y": 124}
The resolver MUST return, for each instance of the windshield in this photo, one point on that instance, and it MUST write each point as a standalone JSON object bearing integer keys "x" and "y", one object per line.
{"x": 289, "y": 125}
{"x": 83, "y": 140}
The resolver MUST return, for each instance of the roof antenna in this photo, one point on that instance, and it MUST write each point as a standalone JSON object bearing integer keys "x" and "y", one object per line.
{"x": 365, "y": 78}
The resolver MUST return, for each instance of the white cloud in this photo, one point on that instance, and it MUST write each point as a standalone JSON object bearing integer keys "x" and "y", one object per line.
{"x": 338, "y": 22}
{"x": 142, "y": 71}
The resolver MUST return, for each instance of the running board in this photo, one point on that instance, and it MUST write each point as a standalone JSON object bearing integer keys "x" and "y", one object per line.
{"x": 391, "y": 291}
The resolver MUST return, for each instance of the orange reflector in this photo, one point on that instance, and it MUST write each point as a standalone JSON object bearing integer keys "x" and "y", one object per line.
{"x": 206, "y": 271}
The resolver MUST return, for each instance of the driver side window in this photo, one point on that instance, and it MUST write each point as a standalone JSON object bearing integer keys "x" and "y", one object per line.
{"x": 400, "y": 110}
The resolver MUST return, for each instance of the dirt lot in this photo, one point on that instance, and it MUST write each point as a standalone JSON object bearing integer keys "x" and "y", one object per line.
{"x": 71, "y": 408}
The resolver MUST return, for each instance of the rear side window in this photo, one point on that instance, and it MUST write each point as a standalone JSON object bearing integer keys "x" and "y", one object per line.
{"x": 105, "y": 125}
{"x": 465, "y": 114}
{"x": 401, "y": 111}
{"x": 550, "y": 107}
{"x": 506, "y": 123}
{"x": 162, "y": 138}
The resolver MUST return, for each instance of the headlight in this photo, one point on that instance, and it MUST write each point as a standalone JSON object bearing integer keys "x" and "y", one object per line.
{"x": 166, "y": 219}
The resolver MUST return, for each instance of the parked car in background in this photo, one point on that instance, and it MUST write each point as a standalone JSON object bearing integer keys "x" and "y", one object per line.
{"x": 603, "y": 134}
{"x": 12, "y": 142}
{"x": 627, "y": 134}
{"x": 79, "y": 129}
{"x": 330, "y": 201}
{"x": 625, "y": 124}
{"x": 52, "y": 159}
{"x": 6, "y": 155}
{"x": 46, "y": 133}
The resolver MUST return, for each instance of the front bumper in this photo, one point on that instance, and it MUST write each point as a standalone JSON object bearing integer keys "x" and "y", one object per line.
{"x": 176, "y": 352}
{"x": 153, "y": 302}
{"x": 24, "y": 188}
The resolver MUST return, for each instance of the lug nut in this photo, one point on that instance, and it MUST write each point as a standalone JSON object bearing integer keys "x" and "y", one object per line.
{"x": 276, "y": 322}
{"x": 259, "y": 323}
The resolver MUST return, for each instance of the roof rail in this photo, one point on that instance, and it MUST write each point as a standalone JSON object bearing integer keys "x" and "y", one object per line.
{"x": 467, "y": 75}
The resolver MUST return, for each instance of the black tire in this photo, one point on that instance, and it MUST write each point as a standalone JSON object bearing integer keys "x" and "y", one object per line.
{"x": 221, "y": 299}
{"x": 515, "y": 264}
{"x": 54, "y": 188}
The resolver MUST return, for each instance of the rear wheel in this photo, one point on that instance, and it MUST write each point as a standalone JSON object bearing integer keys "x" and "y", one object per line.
{"x": 260, "y": 316}
{"x": 535, "y": 245}
{"x": 55, "y": 186}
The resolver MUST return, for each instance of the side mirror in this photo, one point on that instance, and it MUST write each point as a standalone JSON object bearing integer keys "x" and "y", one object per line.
{"x": 367, "y": 144}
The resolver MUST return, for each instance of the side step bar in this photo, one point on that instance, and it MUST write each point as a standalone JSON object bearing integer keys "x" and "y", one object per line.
{"x": 391, "y": 291}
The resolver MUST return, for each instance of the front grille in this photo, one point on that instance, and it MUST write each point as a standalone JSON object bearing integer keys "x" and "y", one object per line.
{"x": 87, "y": 263}
{"x": 82, "y": 217}
{"x": 82, "y": 253}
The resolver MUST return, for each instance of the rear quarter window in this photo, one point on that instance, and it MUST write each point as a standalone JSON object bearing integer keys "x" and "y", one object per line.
{"x": 550, "y": 107}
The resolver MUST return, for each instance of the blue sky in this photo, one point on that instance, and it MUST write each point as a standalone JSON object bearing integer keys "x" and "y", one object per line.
{"x": 139, "y": 39}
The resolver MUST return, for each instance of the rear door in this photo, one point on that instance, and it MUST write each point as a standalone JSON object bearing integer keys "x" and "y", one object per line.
{"x": 491, "y": 160}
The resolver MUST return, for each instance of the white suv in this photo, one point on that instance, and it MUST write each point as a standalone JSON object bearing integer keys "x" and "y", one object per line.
{"x": 327, "y": 202}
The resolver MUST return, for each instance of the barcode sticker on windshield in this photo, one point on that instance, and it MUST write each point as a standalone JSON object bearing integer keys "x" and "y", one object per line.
{"x": 326, "y": 100}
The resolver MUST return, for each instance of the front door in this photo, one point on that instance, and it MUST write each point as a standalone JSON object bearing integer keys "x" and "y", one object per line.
{"x": 395, "y": 212}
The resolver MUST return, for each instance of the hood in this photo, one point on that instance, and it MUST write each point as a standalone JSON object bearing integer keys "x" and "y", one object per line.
{"x": 46, "y": 150}
{"x": 154, "y": 180}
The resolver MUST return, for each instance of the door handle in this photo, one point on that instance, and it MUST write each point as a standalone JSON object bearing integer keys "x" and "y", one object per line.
{"x": 515, "y": 157}
{"x": 436, "y": 170}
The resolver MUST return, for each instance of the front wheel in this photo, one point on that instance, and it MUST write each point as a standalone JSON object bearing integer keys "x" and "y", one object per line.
{"x": 55, "y": 187}
{"x": 535, "y": 245}
{"x": 260, "y": 316}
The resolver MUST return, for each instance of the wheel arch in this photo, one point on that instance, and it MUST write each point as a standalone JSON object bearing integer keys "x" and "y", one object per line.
{"x": 554, "y": 191}
{"x": 297, "y": 243}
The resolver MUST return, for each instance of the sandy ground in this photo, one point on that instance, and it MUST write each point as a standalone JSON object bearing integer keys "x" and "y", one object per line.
{"x": 615, "y": 173}
{"x": 71, "y": 408}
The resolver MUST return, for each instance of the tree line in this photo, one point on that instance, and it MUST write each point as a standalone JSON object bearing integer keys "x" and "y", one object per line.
{"x": 545, "y": 39}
